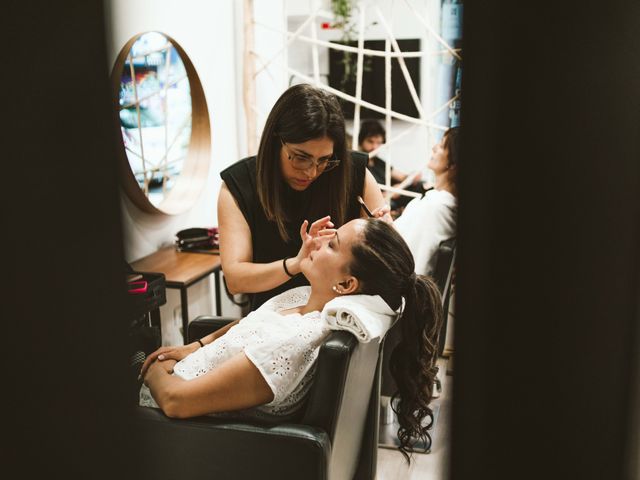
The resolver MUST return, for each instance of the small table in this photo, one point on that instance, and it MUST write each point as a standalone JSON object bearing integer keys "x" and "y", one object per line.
{"x": 181, "y": 270}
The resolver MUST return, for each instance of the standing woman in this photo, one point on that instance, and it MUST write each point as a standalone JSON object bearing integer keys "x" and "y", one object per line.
{"x": 303, "y": 171}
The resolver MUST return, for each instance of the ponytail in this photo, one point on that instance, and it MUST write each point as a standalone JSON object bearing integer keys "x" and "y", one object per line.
{"x": 413, "y": 361}
{"x": 383, "y": 264}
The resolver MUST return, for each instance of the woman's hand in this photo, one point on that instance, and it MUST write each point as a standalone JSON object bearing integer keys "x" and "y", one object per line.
{"x": 159, "y": 368}
{"x": 168, "y": 353}
{"x": 383, "y": 213}
{"x": 320, "y": 228}
{"x": 323, "y": 226}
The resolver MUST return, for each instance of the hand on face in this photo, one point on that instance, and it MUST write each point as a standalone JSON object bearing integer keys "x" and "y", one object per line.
{"x": 322, "y": 228}
{"x": 327, "y": 264}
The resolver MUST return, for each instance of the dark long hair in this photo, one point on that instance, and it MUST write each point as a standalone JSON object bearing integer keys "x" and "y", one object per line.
{"x": 302, "y": 113}
{"x": 452, "y": 144}
{"x": 383, "y": 264}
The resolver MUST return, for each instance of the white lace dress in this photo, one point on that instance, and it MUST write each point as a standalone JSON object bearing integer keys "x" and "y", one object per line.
{"x": 282, "y": 347}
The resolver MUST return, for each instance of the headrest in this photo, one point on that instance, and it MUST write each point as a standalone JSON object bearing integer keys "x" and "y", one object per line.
{"x": 365, "y": 316}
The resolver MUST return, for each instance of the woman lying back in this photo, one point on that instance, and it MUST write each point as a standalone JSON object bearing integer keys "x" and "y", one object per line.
{"x": 265, "y": 361}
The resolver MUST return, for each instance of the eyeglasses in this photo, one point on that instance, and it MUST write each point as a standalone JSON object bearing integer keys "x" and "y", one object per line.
{"x": 300, "y": 162}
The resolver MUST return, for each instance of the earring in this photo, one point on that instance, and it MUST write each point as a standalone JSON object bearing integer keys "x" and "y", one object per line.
{"x": 335, "y": 289}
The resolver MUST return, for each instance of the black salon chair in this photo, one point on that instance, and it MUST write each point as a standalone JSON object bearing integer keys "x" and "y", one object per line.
{"x": 335, "y": 436}
{"x": 442, "y": 274}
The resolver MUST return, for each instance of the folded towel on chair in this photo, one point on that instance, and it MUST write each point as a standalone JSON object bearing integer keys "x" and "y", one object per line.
{"x": 366, "y": 316}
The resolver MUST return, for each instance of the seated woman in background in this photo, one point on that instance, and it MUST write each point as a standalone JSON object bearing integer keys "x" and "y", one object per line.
{"x": 265, "y": 360}
{"x": 427, "y": 221}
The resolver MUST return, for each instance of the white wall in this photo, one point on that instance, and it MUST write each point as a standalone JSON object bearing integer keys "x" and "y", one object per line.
{"x": 269, "y": 48}
{"x": 413, "y": 151}
{"x": 206, "y": 30}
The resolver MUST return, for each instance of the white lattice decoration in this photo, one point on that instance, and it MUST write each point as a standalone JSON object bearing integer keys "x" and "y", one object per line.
{"x": 392, "y": 50}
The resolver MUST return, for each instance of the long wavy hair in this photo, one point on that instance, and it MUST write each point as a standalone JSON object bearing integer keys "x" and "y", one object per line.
{"x": 302, "y": 113}
{"x": 384, "y": 265}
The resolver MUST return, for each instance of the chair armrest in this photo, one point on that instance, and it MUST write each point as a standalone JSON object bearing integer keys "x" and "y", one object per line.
{"x": 205, "y": 324}
{"x": 211, "y": 448}
{"x": 329, "y": 378}
{"x": 339, "y": 399}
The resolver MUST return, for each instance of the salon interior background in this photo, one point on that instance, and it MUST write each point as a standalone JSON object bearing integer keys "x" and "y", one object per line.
{"x": 212, "y": 35}
{"x": 548, "y": 265}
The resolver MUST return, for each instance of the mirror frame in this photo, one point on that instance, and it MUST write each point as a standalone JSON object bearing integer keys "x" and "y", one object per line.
{"x": 195, "y": 171}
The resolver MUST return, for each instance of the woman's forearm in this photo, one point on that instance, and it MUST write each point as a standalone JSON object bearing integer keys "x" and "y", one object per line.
{"x": 165, "y": 389}
{"x": 236, "y": 252}
{"x": 232, "y": 385}
{"x": 248, "y": 277}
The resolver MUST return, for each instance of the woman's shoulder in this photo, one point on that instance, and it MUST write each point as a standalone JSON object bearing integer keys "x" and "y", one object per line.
{"x": 441, "y": 197}
{"x": 359, "y": 162}
{"x": 435, "y": 205}
{"x": 242, "y": 169}
{"x": 240, "y": 179}
{"x": 359, "y": 159}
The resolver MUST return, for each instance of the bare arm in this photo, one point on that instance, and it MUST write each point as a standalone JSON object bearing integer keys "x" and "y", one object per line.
{"x": 397, "y": 175}
{"x": 236, "y": 251}
{"x": 179, "y": 352}
{"x": 374, "y": 199}
{"x": 409, "y": 179}
{"x": 234, "y": 385}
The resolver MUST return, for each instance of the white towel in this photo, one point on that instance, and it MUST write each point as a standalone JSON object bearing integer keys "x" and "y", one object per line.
{"x": 366, "y": 316}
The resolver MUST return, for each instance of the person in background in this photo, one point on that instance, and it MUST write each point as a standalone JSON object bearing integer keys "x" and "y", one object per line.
{"x": 427, "y": 221}
{"x": 262, "y": 366}
{"x": 370, "y": 137}
{"x": 303, "y": 170}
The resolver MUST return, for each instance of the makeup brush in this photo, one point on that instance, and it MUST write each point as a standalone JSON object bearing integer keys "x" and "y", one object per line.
{"x": 364, "y": 206}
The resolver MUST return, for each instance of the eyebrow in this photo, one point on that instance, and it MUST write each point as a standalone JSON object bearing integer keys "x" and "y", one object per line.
{"x": 298, "y": 151}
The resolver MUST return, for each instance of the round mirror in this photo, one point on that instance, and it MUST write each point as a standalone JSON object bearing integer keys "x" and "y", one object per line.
{"x": 164, "y": 124}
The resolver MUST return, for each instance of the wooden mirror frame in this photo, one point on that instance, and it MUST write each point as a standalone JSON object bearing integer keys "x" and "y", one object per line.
{"x": 195, "y": 171}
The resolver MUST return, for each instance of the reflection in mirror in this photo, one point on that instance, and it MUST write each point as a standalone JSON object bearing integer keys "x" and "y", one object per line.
{"x": 155, "y": 114}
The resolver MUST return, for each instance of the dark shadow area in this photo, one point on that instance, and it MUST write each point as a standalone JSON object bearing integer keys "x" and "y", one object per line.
{"x": 66, "y": 326}
{"x": 548, "y": 241}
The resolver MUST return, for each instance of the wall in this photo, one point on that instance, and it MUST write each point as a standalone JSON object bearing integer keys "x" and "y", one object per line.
{"x": 269, "y": 45}
{"x": 404, "y": 25}
{"x": 207, "y": 32}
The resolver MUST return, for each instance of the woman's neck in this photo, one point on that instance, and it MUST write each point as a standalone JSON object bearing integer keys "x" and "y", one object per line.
{"x": 443, "y": 182}
{"x": 317, "y": 301}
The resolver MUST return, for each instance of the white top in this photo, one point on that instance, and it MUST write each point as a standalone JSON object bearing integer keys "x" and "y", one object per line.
{"x": 424, "y": 223}
{"x": 283, "y": 347}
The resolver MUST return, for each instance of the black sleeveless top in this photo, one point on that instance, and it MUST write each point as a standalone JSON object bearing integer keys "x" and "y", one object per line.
{"x": 266, "y": 242}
